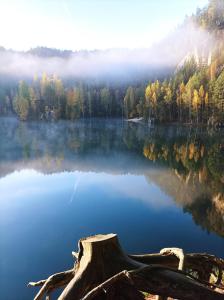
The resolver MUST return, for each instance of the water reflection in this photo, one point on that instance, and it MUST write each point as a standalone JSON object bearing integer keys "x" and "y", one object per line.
{"x": 61, "y": 181}
{"x": 196, "y": 174}
{"x": 189, "y": 163}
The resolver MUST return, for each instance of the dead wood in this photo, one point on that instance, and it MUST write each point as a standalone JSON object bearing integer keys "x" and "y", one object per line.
{"x": 103, "y": 271}
{"x": 53, "y": 282}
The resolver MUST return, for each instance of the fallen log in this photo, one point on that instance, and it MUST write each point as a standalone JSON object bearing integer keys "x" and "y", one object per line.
{"x": 102, "y": 270}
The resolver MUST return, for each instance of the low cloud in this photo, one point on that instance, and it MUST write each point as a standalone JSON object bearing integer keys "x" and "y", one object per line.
{"x": 166, "y": 54}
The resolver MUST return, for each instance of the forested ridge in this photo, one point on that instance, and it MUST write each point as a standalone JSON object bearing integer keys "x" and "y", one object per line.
{"x": 192, "y": 94}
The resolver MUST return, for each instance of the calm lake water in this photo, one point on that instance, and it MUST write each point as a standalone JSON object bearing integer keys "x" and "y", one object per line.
{"x": 158, "y": 187}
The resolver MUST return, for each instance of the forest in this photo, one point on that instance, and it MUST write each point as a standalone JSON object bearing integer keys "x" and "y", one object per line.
{"x": 193, "y": 93}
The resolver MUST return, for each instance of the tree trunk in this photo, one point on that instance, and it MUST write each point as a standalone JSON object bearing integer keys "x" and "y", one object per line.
{"x": 100, "y": 257}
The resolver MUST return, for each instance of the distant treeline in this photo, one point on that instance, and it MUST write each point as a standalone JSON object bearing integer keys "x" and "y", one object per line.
{"x": 193, "y": 94}
{"x": 47, "y": 98}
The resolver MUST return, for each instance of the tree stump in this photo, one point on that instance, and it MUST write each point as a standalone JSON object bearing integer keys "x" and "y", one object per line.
{"x": 104, "y": 271}
{"x": 100, "y": 257}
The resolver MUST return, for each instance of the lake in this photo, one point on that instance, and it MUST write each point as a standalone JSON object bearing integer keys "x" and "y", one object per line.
{"x": 155, "y": 187}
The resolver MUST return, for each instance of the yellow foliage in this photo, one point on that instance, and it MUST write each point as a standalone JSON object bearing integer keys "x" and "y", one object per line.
{"x": 183, "y": 151}
{"x": 146, "y": 151}
{"x": 191, "y": 150}
{"x": 196, "y": 100}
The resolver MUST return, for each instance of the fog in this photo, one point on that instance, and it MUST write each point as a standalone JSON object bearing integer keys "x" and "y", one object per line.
{"x": 166, "y": 54}
{"x": 109, "y": 148}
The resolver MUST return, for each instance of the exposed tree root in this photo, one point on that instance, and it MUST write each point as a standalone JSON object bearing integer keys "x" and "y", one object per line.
{"x": 53, "y": 282}
{"x": 179, "y": 253}
{"x": 103, "y": 271}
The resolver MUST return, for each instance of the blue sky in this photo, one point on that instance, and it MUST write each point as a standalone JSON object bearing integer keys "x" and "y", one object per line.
{"x": 90, "y": 24}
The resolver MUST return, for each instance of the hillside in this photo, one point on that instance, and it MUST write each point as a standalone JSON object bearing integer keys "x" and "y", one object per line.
{"x": 186, "y": 73}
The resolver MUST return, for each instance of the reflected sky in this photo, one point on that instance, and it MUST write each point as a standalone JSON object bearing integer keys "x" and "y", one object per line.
{"x": 60, "y": 182}
{"x": 21, "y": 185}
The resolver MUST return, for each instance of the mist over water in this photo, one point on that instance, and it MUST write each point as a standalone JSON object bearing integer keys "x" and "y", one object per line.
{"x": 74, "y": 179}
{"x": 110, "y": 140}
{"x": 116, "y": 63}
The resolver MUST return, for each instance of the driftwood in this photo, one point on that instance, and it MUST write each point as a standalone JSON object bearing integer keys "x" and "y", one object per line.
{"x": 103, "y": 271}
